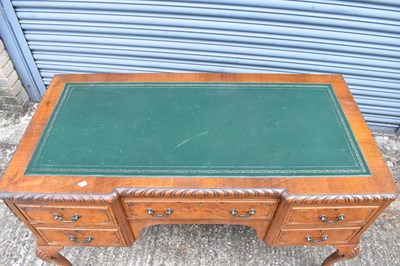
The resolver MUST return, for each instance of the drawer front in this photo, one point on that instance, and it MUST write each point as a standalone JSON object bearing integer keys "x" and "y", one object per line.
{"x": 204, "y": 209}
{"x": 68, "y": 215}
{"x": 315, "y": 236}
{"x": 81, "y": 237}
{"x": 331, "y": 215}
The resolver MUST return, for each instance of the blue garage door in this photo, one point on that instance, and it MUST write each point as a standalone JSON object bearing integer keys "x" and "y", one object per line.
{"x": 358, "y": 39}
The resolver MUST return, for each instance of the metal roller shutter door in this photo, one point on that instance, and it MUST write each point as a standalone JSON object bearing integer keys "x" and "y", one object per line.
{"x": 358, "y": 39}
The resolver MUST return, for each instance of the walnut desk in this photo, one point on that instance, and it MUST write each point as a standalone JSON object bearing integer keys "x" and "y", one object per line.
{"x": 107, "y": 155}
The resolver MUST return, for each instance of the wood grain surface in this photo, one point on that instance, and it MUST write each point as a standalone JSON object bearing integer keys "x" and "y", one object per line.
{"x": 380, "y": 182}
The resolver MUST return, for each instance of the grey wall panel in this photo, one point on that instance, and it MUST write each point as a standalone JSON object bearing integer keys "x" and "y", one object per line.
{"x": 358, "y": 39}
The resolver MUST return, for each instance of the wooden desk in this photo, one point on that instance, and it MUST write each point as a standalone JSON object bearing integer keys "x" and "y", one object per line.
{"x": 107, "y": 155}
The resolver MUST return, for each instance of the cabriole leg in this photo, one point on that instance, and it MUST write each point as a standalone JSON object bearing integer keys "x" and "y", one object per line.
{"x": 51, "y": 254}
{"x": 343, "y": 252}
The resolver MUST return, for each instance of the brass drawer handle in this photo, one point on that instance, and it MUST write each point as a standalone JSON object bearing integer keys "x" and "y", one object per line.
{"x": 339, "y": 218}
{"x": 59, "y": 217}
{"x": 167, "y": 212}
{"x": 88, "y": 239}
{"x": 248, "y": 214}
{"x": 311, "y": 240}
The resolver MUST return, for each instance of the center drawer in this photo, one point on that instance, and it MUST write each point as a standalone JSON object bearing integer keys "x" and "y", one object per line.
{"x": 200, "y": 209}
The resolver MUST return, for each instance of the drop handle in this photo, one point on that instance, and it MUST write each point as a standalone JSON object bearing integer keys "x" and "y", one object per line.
{"x": 311, "y": 240}
{"x": 59, "y": 217}
{"x": 235, "y": 213}
{"x": 167, "y": 212}
{"x": 339, "y": 218}
{"x": 88, "y": 239}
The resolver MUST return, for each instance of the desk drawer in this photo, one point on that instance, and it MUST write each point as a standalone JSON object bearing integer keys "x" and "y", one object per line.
{"x": 82, "y": 237}
{"x": 68, "y": 215}
{"x": 315, "y": 236}
{"x": 339, "y": 215}
{"x": 203, "y": 209}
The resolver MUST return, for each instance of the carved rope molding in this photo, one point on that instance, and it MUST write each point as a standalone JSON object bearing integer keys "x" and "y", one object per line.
{"x": 196, "y": 193}
{"x": 200, "y": 193}
{"x": 145, "y": 193}
{"x": 70, "y": 198}
{"x": 321, "y": 199}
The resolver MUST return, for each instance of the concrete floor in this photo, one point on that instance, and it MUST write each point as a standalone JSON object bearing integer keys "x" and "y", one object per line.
{"x": 187, "y": 245}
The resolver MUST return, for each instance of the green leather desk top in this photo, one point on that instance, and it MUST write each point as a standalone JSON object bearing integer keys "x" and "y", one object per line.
{"x": 198, "y": 129}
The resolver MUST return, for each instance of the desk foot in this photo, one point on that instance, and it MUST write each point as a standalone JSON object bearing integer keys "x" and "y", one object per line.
{"x": 50, "y": 254}
{"x": 343, "y": 252}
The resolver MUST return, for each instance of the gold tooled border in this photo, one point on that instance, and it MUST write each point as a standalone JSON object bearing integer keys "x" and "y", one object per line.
{"x": 69, "y": 88}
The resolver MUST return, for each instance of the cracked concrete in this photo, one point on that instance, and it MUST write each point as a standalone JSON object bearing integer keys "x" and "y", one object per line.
{"x": 166, "y": 245}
